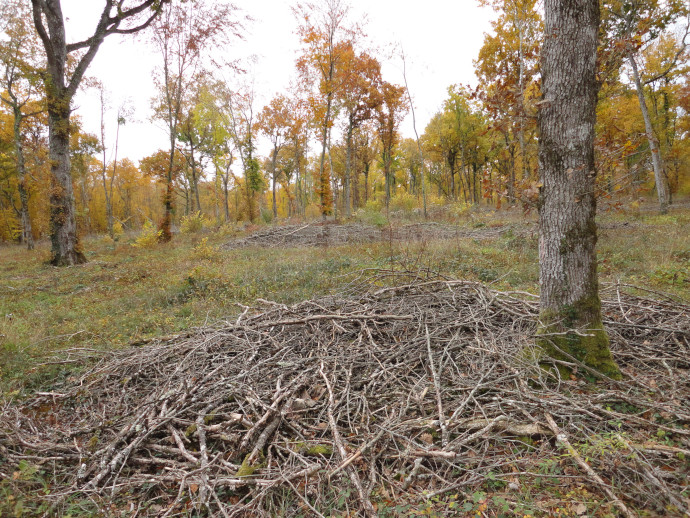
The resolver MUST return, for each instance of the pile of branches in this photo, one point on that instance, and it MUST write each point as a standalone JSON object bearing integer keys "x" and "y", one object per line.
{"x": 341, "y": 406}
{"x": 330, "y": 234}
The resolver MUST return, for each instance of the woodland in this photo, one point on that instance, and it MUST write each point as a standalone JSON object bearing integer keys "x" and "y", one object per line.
{"x": 294, "y": 309}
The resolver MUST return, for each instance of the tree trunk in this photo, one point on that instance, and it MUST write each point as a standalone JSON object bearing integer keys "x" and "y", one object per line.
{"x": 451, "y": 166}
{"x": 111, "y": 218}
{"x": 511, "y": 169}
{"x": 273, "y": 174}
{"x": 348, "y": 172}
{"x": 168, "y": 198}
{"x": 324, "y": 185}
{"x": 226, "y": 180}
{"x": 659, "y": 175}
{"x": 27, "y": 234}
{"x": 366, "y": 182}
{"x": 569, "y": 303}
{"x": 66, "y": 249}
{"x": 387, "y": 176}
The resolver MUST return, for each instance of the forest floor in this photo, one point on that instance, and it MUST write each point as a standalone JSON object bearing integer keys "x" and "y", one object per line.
{"x": 224, "y": 299}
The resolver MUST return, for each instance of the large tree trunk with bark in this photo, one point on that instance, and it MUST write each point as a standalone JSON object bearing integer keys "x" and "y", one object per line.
{"x": 66, "y": 249}
{"x": 570, "y": 309}
{"x": 60, "y": 89}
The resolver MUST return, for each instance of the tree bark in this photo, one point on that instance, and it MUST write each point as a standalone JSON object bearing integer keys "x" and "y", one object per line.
{"x": 108, "y": 193}
{"x": 60, "y": 89}
{"x": 274, "y": 160}
{"x": 27, "y": 233}
{"x": 324, "y": 186}
{"x": 66, "y": 249}
{"x": 659, "y": 175}
{"x": 348, "y": 171}
{"x": 570, "y": 308}
{"x": 195, "y": 177}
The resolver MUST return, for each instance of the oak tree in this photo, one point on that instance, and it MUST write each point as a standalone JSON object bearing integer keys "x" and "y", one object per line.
{"x": 61, "y": 83}
{"x": 570, "y": 308}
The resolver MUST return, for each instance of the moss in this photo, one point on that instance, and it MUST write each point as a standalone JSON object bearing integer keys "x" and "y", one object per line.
{"x": 320, "y": 449}
{"x": 578, "y": 234}
{"x": 590, "y": 346}
{"x": 247, "y": 469}
{"x": 191, "y": 430}
{"x": 93, "y": 443}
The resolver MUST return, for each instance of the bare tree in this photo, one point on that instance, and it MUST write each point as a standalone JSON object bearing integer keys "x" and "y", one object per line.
{"x": 19, "y": 90}
{"x": 182, "y": 36}
{"x": 61, "y": 84}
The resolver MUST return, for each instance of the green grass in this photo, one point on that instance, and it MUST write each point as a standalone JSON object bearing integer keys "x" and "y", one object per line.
{"x": 126, "y": 293}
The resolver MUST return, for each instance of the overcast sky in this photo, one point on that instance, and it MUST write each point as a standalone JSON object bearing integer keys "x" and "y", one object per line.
{"x": 440, "y": 39}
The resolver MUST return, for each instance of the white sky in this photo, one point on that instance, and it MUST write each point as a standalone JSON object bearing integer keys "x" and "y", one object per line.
{"x": 440, "y": 39}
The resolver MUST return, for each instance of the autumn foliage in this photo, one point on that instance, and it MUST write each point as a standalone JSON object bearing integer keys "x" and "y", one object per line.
{"x": 331, "y": 145}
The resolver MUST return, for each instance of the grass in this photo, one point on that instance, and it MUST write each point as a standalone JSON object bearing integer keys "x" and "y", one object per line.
{"x": 127, "y": 293}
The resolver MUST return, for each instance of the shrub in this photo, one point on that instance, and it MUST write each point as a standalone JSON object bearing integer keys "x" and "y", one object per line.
{"x": 204, "y": 251}
{"x": 266, "y": 215}
{"x": 149, "y": 236}
{"x": 404, "y": 202}
{"x": 313, "y": 211}
{"x": 371, "y": 214}
{"x": 118, "y": 230}
{"x": 193, "y": 223}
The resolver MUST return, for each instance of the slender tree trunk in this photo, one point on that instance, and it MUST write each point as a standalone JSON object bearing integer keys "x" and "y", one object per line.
{"x": 195, "y": 179}
{"x": 104, "y": 171}
{"x": 324, "y": 185}
{"x": 334, "y": 179}
{"x": 27, "y": 233}
{"x": 414, "y": 126}
{"x": 108, "y": 203}
{"x": 570, "y": 309}
{"x": 451, "y": 166}
{"x": 168, "y": 197}
{"x": 659, "y": 175}
{"x": 348, "y": 172}
{"x": 274, "y": 159}
{"x": 355, "y": 181}
{"x": 387, "y": 174}
{"x": 511, "y": 169}
{"x": 111, "y": 221}
{"x": 226, "y": 193}
{"x": 366, "y": 182}
{"x": 521, "y": 97}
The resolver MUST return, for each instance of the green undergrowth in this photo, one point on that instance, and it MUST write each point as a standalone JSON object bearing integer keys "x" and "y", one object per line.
{"x": 126, "y": 294}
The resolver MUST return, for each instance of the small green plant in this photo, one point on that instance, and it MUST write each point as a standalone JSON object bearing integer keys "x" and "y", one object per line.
{"x": 403, "y": 202}
{"x": 205, "y": 252}
{"x": 193, "y": 223}
{"x": 149, "y": 236}
{"x": 118, "y": 229}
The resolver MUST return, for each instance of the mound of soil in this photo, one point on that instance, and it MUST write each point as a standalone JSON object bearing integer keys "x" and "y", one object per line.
{"x": 403, "y": 396}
